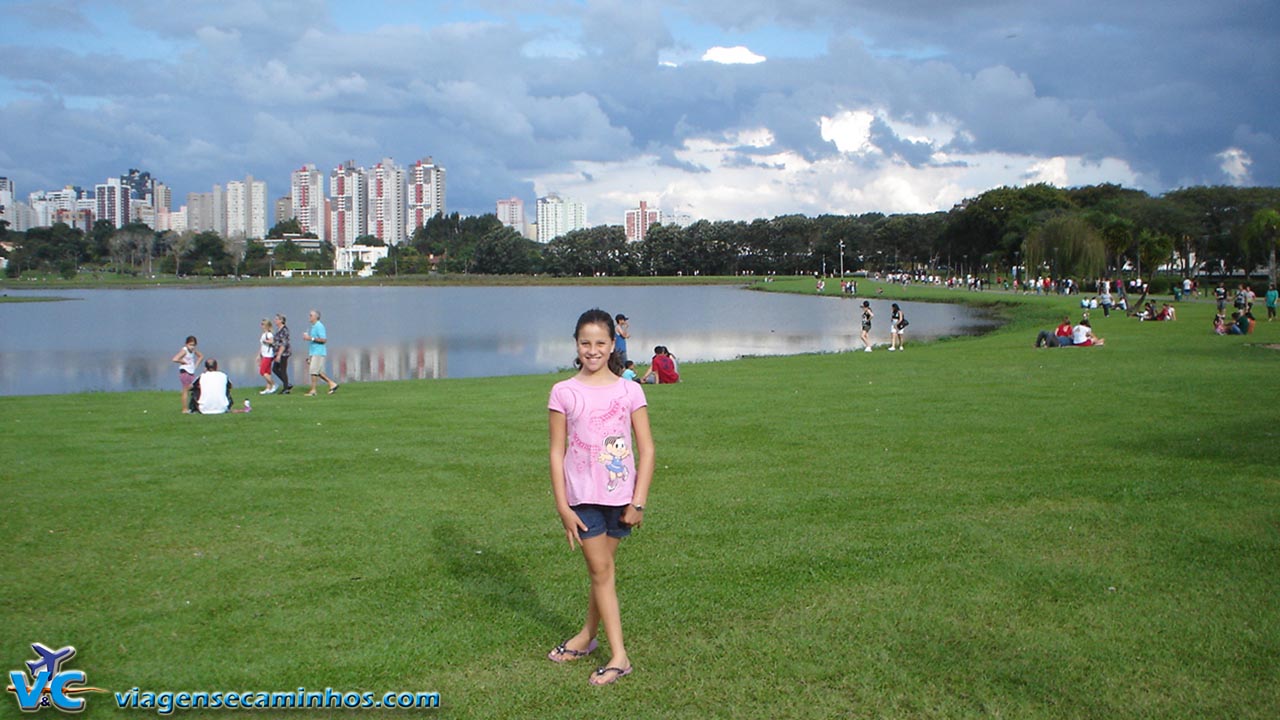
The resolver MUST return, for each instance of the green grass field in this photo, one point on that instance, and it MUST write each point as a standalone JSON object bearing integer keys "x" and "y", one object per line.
{"x": 971, "y": 528}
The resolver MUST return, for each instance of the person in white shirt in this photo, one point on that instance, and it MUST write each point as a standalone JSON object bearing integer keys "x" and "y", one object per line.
{"x": 213, "y": 390}
{"x": 1082, "y": 335}
{"x": 266, "y": 355}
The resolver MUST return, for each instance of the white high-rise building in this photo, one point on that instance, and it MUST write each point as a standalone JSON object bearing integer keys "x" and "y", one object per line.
{"x": 237, "y": 209}
{"x": 246, "y": 208}
{"x": 387, "y": 202}
{"x": 348, "y": 204}
{"x": 20, "y": 216}
{"x": 307, "y": 192}
{"x": 511, "y": 214}
{"x": 557, "y": 216}
{"x": 112, "y": 199}
{"x": 55, "y": 206}
{"x": 426, "y": 193}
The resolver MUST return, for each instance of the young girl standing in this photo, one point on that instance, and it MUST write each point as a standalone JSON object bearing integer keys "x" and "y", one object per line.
{"x": 187, "y": 358}
{"x": 600, "y": 477}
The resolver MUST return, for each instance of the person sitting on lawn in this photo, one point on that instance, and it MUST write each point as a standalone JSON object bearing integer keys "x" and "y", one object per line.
{"x": 1166, "y": 313}
{"x": 662, "y": 369}
{"x": 1061, "y": 337}
{"x": 211, "y": 392}
{"x": 1082, "y": 336}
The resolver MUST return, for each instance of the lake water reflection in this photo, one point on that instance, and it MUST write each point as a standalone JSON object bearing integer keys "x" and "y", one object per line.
{"x": 118, "y": 340}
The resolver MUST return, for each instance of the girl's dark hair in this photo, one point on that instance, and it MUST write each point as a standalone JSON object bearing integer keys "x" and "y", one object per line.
{"x": 596, "y": 316}
{"x": 192, "y": 339}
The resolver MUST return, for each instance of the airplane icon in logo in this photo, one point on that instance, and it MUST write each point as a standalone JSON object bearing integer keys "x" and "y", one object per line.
{"x": 50, "y": 659}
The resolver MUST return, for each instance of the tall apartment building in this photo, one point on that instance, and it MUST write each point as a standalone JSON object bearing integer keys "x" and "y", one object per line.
{"x": 387, "y": 202}
{"x": 349, "y": 204}
{"x": 426, "y": 193}
{"x": 639, "y": 219}
{"x": 284, "y": 208}
{"x": 307, "y": 191}
{"x": 112, "y": 200}
{"x": 511, "y": 214}
{"x": 18, "y": 214}
{"x": 50, "y": 207}
{"x": 199, "y": 212}
{"x": 246, "y": 208}
{"x": 161, "y": 197}
{"x": 207, "y": 212}
{"x": 557, "y": 216}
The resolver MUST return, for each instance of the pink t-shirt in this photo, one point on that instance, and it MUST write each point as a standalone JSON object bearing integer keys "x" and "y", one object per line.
{"x": 599, "y": 465}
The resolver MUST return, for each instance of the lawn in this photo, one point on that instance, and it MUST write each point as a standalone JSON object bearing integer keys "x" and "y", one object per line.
{"x": 972, "y": 527}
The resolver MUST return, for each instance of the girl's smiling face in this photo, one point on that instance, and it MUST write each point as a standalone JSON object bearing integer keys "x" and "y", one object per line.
{"x": 594, "y": 347}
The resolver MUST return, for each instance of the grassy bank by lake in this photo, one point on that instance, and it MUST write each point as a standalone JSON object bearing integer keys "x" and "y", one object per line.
{"x": 972, "y": 527}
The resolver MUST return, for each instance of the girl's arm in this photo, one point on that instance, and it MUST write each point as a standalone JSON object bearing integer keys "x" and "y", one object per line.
{"x": 178, "y": 357}
{"x": 644, "y": 466}
{"x": 558, "y": 430}
{"x": 199, "y": 358}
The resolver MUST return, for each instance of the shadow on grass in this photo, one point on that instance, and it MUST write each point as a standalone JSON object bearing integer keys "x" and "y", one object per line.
{"x": 491, "y": 578}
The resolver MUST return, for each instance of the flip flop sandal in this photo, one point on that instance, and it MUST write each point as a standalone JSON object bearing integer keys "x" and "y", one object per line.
{"x": 564, "y": 654}
{"x": 597, "y": 677}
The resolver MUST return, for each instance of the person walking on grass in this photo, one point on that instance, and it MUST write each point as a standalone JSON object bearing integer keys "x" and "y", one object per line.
{"x": 601, "y": 459}
{"x": 866, "y": 325}
{"x": 282, "y": 351}
{"x": 1271, "y": 298}
{"x": 316, "y": 353}
{"x": 266, "y": 354}
{"x": 188, "y": 359}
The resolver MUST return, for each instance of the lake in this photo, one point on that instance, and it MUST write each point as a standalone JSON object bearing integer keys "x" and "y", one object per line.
{"x": 120, "y": 340}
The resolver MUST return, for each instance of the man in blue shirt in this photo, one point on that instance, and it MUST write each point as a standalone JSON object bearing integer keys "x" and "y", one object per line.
{"x": 317, "y": 351}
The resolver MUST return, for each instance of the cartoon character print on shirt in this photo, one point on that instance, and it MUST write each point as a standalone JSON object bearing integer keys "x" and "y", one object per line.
{"x": 615, "y": 450}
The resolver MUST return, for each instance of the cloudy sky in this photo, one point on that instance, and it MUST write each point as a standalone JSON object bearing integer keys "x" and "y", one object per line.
{"x": 723, "y": 109}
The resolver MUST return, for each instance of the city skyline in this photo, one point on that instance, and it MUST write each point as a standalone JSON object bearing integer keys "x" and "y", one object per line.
{"x": 715, "y": 110}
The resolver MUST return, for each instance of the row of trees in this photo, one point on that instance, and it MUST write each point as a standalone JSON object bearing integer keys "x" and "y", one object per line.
{"x": 137, "y": 249}
{"x": 1082, "y": 232}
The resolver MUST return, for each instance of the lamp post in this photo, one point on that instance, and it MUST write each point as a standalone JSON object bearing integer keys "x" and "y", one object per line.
{"x": 842, "y": 260}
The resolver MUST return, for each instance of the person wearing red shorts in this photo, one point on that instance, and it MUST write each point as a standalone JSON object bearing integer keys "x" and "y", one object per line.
{"x": 266, "y": 354}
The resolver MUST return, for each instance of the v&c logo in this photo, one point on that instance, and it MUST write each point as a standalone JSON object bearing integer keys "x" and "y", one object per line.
{"x": 48, "y": 683}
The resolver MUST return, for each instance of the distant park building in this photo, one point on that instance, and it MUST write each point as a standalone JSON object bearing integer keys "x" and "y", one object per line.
{"x": 558, "y": 216}
{"x": 511, "y": 214}
{"x": 640, "y": 219}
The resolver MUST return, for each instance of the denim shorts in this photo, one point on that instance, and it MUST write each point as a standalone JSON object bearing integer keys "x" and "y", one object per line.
{"x": 601, "y": 520}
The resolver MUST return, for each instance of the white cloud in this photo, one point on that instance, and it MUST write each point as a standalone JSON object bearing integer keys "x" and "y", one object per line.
{"x": 736, "y": 55}
{"x": 850, "y": 131}
{"x": 783, "y": 181}
{"x": 1235, "y": 165}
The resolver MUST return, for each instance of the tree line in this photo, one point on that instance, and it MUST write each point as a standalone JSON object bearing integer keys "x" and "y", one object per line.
{"x": 1085, "y": 232}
